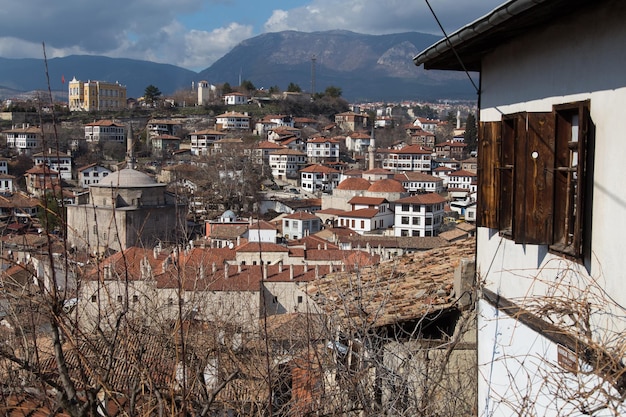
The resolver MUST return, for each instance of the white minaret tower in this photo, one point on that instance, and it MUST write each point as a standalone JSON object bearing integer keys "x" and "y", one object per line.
{"x": 203, "y": 92}
{"x": 130, "y": 154}
{"x": 371, "y": 149}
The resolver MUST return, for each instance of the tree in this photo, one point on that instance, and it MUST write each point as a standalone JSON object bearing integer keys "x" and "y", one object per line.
{"x": 51, "y": 213}
{"x": 247, "y": 85}
{"x": 151, "y": 94}
{"x": 294, "y": 88}
{"x": 332, "y": 91}
{"x": 226, "y": 88}
{"x": 471, "y": 132}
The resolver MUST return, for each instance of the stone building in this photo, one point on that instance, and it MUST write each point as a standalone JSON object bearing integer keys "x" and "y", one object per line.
{"x": 127, "y": 208}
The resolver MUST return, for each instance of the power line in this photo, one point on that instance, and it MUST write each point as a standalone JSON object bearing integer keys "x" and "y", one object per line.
{"x": 452, "y": 47}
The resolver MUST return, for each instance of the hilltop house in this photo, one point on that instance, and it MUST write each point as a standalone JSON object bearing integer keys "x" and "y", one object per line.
{"x": 550, "y": 150}
{"x": 91, "y": 174}
{"x": 105, "y": 131}
{"x": 57, "y": 161}
{"x": 202, "y": 140}
{"x": 25, "y": 140}
{"x": 409, "y": 158}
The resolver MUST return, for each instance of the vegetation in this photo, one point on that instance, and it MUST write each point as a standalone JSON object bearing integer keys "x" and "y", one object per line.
{"x": 151, "y": 95}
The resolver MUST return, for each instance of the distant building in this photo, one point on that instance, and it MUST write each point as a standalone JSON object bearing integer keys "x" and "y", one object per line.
{"x": 202, "y": 140}
{"x": 91, "y": 174}
{"x": 235, "y": 99}
{"x": 232, "y": 121}
{"x": 105, "y": 131}
{"x": 57, "y": 161}
{"x": 25, "y": 140}
{"x": 419, "y": 215}
{"x": 96, "y": 95}
{"x": 300, "y": 224}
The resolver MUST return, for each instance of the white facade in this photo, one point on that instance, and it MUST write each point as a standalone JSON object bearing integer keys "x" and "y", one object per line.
{"x": 106, "y": 131}
{"x": 25, "y": 139}
{"x": 300, "y": 224}
{"x": 365, "y": 220}
{"x": 61, "y": 163}
{"x": 6, "y": 183}
{"x": 418, "y": 215}
{"x": 322, "y": 148}
{"x": 235, "y": 99}
{"x": 410, "y": 158}
{"x": 316, "y": 178}
{"x": 91, "y": 174}
{"x": 551, "y": 318}
{"x": 232, "y": 121}
{"x": 4, "y": 166}
{"x": 202, "y": 141}
{"x": 286, "y": 163}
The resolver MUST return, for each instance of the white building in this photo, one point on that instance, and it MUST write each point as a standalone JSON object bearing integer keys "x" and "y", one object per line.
{"x": 410, "y": 158}
{"x": 4, "y": 166}
{"x": 551, "y": 328}
{"x": 158, "y": 127}
{"x": 57, "y": 161}
{"x": 203, "y": 140}
{"x": 300, "y": 224}
{"x": 25, "y": 140}
{"x": 321, "y": 149}
{"x": 286, "y": 163}
{"x": 105, "y": 131}
{"x": 232, "y": 121}
{"x": 419, "y": 215}
{"x": 319, "y": 178}
{"x": 6, "y": 183}
{"x": 91, "y": 174}
{"x": 235, "y": 99}
{"x": 418, "y": 182}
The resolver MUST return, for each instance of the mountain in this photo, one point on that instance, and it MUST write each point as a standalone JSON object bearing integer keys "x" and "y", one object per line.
{"x": 365, "y": 67}
{"x": 29, "y": 74}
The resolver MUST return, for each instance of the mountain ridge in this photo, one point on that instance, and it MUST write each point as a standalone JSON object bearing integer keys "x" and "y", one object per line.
{"x": 365, "y": 67}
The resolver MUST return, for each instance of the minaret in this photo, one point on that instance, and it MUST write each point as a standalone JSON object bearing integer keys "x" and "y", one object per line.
{"x": 371, "y": 149}
{"x": 130, "y": 154}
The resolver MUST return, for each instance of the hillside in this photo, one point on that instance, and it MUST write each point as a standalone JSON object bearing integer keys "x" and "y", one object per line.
{"x": 365, "y": 67}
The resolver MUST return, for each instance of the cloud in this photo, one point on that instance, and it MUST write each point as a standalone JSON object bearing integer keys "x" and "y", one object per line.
{"x": 376, "y": 17}
{"x": 204, "y": 48}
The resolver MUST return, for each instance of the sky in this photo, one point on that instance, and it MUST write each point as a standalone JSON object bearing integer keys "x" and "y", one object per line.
{"x": 195, "y": 33}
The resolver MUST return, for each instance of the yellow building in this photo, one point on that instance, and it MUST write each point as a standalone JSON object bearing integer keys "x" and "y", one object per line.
{"x": 96, "y": 95}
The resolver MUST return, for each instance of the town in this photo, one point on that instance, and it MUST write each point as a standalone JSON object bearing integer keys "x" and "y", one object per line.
{"x": 246, "y": 251}
{"x": 227, "y": 221}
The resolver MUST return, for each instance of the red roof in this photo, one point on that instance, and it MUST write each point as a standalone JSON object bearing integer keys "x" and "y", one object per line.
{"x": 430, "y": 198}
{"x": 354, "y": 184}
{"x": 387, "y": 186}
{"x": 301, "y": 215}
{"x": 320, "y": 168}
{"x": 367, "y": 200}
{"x": 366, "y": 213}
{"x": 414, "y": 149}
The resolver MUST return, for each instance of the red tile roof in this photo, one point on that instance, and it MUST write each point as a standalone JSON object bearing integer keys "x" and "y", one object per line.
{"x": 301, "y": 215}
{"x": 387, "y": 186}
{"x": 354, "y": 184}
{"x": 430, "y": 198}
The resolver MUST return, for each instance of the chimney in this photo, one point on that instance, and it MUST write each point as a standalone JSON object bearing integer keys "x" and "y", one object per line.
{"x": 264, "y": 269}
{"x": 225, "y": 270}
{"x": 325, "y": 245}
{"x": 317, "y": 271}
{"x": 306, "y": 268}
{"x": 214, "y": 268}
{"x": 291, "y": 272}
{"x": 239, "y": 268}
{"x": 343, "y": 267}
{"x": 319, "y": 246}
{"x": 280, "y": 266}
{"x": 155, "y": 252}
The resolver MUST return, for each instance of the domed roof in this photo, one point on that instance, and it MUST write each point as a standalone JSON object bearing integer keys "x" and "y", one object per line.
{"x": 128, "y": 178}
{"x": 354, "y": 184}
{"x": 229, "y": 214}
{"x": 387, "y": 186}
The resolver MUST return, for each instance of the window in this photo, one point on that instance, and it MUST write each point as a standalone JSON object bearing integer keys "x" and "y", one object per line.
{"x": 535, "y": 175}
{"x": 404, "y": 220}
{"x": 416, "y": 221}
{"x": 120, "y": 299}
{"x": 94, "y": 298}
{"x": 135, "y": 298}
{"x": 299, "y": 299}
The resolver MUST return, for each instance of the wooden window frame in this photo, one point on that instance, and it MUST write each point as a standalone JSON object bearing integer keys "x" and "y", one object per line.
{"x": 535, "y": 180}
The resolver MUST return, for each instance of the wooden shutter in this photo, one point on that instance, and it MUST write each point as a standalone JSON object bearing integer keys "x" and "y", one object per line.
{"x": 488, "y": 162}
{"x": 534, "y": 179}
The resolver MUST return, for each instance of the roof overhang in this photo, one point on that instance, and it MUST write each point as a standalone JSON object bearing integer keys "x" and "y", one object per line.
{"x": 464, "y": 49}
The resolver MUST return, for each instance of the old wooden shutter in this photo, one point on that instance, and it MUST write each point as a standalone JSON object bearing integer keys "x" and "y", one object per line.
{"x": 534, "y": 179}
{"x": 487, "y": 202}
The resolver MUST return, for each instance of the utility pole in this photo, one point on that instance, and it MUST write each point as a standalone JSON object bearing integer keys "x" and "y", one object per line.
{"x": 313, "y": 59}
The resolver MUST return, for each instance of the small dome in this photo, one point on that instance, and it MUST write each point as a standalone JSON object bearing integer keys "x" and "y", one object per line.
{"x": 387, "y": 186}
{"x": 354, "y": 184}
{"x": 229, "y": 216}
{"x": 127, "y": 178}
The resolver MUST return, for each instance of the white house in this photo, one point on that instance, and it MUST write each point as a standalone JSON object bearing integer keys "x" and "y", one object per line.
{"x": 410, "y": 158}
{"x": 461, "y": 183}
{"x": 322, "y": 149}
{"x": 551, "y": 327}
{"x": 57, "y": 161}
{"x": 235, "y": 99}
{"x": 418, "y": 215}
{"x": 358, "y": 142}
{"x": 300, "y": 224}
{"x": 418, "y": 182}
{"x": 286, "y": 163}
{"x": 25, "y": 139}
{"x": 366, "y": 220}
{"x": 202, "y": 140}
{"x": 319, "y": 178}
{"x": 6, "y": 183}
{"x": 91, "y": 174}
{"x": 105, "y": 131}
{"x": 4, "y": 166}
{"x": 158, "y": 127}
{"x": 232, "y": 121}
{"x": 261, "y": 231}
